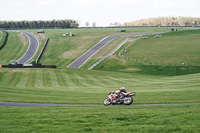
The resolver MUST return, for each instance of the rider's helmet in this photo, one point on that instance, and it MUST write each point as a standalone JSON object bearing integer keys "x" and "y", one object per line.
{"x": 122, "y": 87}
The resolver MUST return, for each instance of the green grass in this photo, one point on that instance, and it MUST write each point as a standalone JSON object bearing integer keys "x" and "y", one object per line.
{"x": 175, "y": 53}
{"x": 73, "y": 86}
{"x": 172, "y": 48}
{"x": 101, "y": 119}
{"x": 14, "y": 49}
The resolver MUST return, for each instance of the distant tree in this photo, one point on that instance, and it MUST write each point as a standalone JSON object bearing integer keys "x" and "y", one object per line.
{"x": 87, "y": 24}
{"x": 115, "y": 24}
{"x": 73, "y": 25}
{"x": 94, "y": 24}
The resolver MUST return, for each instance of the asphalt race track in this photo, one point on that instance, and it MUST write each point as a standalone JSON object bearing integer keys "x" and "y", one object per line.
{"x": 35, "y": 104}
{"x": 83, "y": 58}
{"x": 33, "y": 46}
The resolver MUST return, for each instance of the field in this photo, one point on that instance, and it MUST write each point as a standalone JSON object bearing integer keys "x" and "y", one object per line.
{"x": 88, "y": 88}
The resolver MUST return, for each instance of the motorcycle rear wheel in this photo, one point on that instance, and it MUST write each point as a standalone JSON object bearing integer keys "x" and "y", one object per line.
{"x": 128, "y": 101}
{"x": 107, "y": 102}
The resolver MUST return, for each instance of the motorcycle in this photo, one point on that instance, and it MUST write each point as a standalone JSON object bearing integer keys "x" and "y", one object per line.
{"x": 124, "y": 99}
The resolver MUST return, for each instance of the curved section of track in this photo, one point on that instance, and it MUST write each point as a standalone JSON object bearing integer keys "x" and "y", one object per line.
{"x": 33, "y": 46}
{"x": 83, "y": 58}
{"x": 37, "y": 104}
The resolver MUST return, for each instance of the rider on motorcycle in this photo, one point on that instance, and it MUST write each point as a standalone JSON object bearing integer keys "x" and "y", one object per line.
{"x": 117, "y": 94}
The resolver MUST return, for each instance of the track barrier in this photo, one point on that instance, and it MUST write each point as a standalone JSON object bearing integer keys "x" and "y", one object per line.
{"x": 28, "y": 66}
{"x": 45, "y": 44}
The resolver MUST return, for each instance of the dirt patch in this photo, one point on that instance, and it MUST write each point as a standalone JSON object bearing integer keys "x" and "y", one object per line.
{"x": 40, "y": 36}
{"x": 131, "y": 40}
{"x": 24, "y": 39}
{"x": 72, "y": 53}
{"x": 122, "y": 61}
{"x": 130, "y": 70}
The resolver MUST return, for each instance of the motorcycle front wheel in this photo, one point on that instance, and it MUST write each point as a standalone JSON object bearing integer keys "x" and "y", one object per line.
{"x": 128, "y": 100}
{"x": 106, "y": 102}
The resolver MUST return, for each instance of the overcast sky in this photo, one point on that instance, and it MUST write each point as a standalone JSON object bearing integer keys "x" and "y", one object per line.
{"x": 103, "y": 12}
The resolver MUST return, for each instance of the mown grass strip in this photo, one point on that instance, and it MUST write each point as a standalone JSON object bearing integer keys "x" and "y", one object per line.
{"x": 60, "y": 78}
{"x": 46, "y": 78}
{"x": 53, "y": 78}
{"x": 15, "y": 79}
{"x": 73, "y": 79}
{"x": 82, "y": 80}
{"x": 91, "y": 80}
{"x": 23, "y": 79}
{"x": 67, "y": 79}
{"x": 31, "y": 81}
{"x": 38, "y": 78}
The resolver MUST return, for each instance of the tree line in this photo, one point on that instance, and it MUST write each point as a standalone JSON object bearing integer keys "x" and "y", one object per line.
{"x": 39, "y": 24}
{"x": 166, "y": 21}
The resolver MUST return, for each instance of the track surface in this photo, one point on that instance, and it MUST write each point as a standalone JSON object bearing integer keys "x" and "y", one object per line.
{"x": 35, "y": 104}
{"x": 82, "y": 59}
{"x": 33, "y": 46}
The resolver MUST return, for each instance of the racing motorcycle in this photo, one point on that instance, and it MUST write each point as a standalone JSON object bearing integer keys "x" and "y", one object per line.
{"x": 124, "y": 99}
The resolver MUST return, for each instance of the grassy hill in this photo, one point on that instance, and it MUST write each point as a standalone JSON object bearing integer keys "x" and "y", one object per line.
{"x": 173, "y": 53}
{"x": 82, "y": 86}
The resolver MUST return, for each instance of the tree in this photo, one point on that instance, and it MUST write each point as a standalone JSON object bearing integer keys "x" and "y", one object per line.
{"x": 87, "y": 24}
{"x": 94, "y": 24}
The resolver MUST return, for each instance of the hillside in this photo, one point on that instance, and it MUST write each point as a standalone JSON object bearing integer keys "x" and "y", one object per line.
{"x": 174, "y": 53}
{"x": 166, "y": 21}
